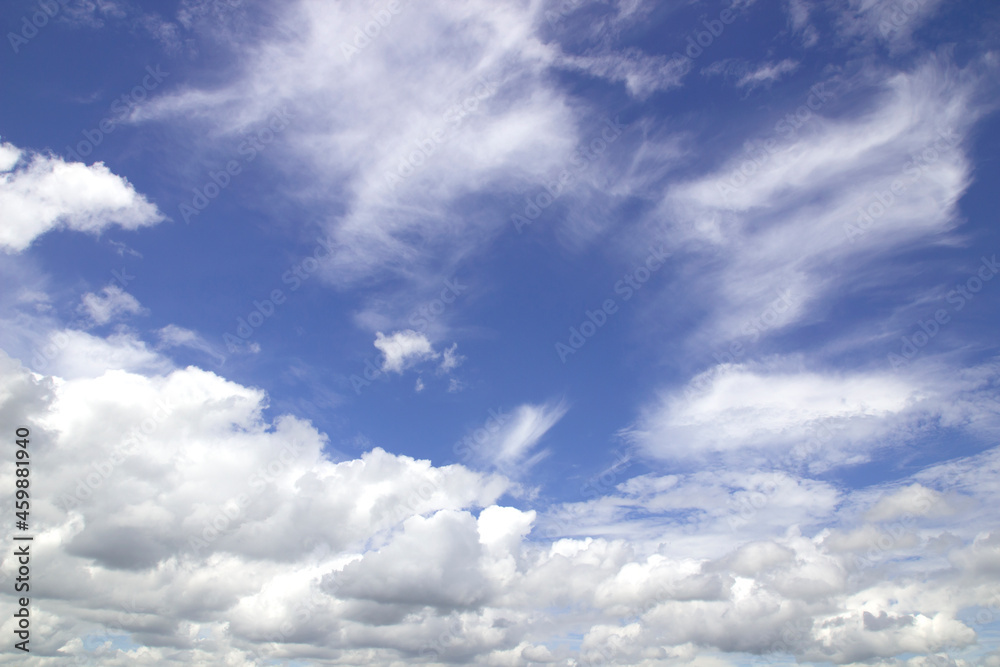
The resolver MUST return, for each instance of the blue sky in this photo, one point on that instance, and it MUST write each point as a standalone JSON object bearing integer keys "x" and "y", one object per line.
{"x": 506, "y": 333}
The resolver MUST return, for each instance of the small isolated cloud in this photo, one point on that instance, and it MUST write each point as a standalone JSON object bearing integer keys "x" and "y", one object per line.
{"x": 123, "y": 249}
{"x": 750, "y": 76}
{"x": 642, "y": 74}
{"x": 403, "y": 349}
{"x": 510, "y": 441}
{"x": 110, "y": 304}
{"x": 767, "y": 73}
{"x": 452, "y": 359}
{"x": 39, "y": 193}
{"x": 175, "y": 336}
{"x": 419, "y": 387}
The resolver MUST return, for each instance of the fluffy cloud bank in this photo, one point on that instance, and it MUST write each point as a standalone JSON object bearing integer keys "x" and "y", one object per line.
{"x": 175, "y": 525}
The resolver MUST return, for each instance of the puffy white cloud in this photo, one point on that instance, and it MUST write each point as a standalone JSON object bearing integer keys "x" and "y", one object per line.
{"x": 110, "y": 304}
{"x": 403, "y": 349}
{"x": 78, "y": 354}
{"x": 39, "y": 193}
{"x": 172, "y": 516}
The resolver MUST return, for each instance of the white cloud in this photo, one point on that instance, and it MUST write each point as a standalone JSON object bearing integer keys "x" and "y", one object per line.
{"x": 767, "y": 73}
{"x": 792, "y": 215}
{"x": 733, "y": 407}
{"x": 509, "y": 442}
{"x": 403, "y": 349}
{"x": 171, "y": 505}
{"x": 751, "y": 76}
{"x": 175, "y": 336}
{"x": 798, "y": 15}
{"x": 642, "y": 75}
{"x": 483, "y": 115}
{"x": 784, "y": 416}
{"x": 82, "y": 355}
{"x": 114, "y": 303}
{"x": 39, "y": 193}
{"x": 884, "y": 20}
{"x": 452, "y": 359}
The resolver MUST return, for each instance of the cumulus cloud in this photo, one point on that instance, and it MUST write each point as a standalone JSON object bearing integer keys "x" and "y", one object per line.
{"x": 176, "y": 509}
{"x": 403, "y": 349}
{"x": 110, "y": 304}
{"x": 39, "y": 193}
{"x": 78, "y": 354}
